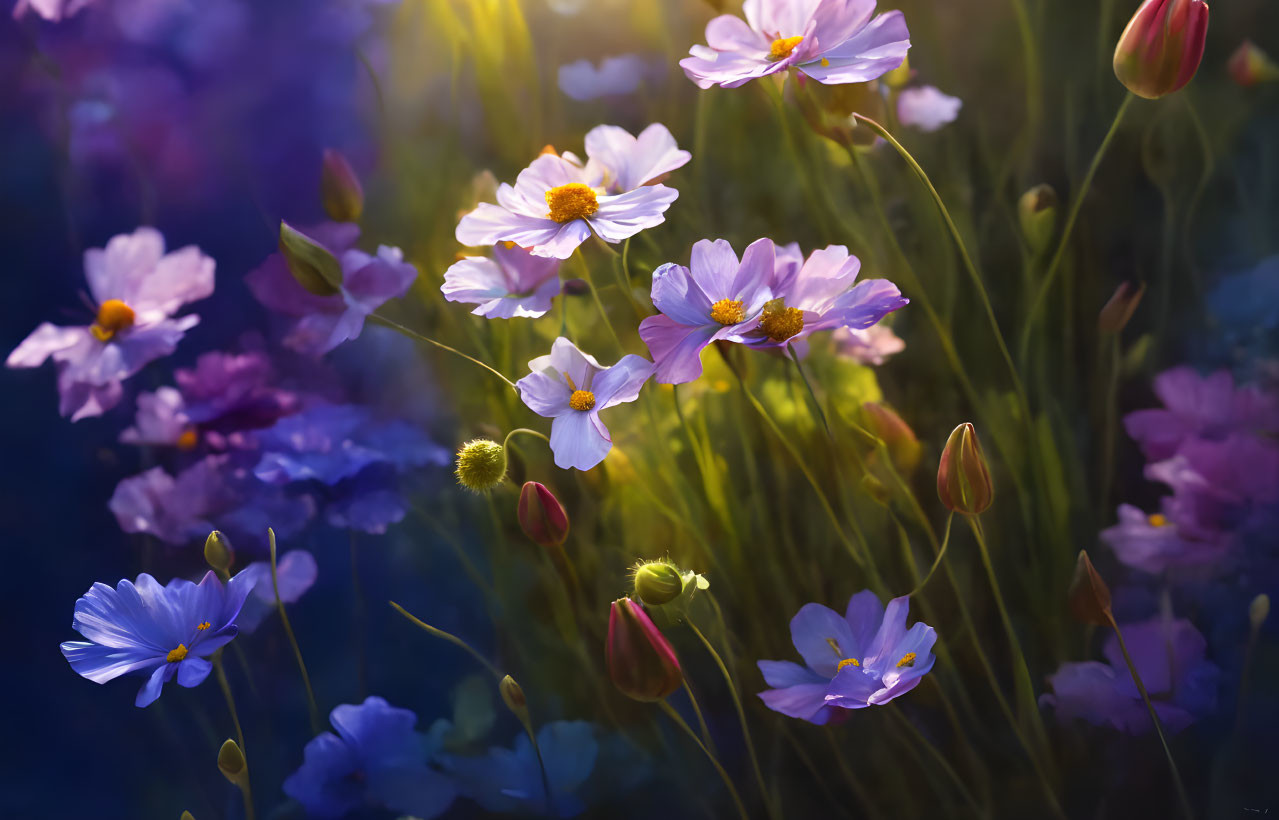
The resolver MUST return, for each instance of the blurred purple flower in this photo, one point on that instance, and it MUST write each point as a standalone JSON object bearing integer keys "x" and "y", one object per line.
{"x": 324, "y": 322}
{"x": 296, "y": 572}
{"x": 573, "y": 388}
{"x": 618, "y": 162}
{"x": 716, "y": 297}
{"x": 511, "y": 283}
{"x": 1218, "y": 486}
{"x": 142, "y": 627}
{"x": 52, "y": 10}
{"x": 1208, "y": 407}
{"x": 615, "y": 76}
{"x": 831, "y": 41}
{"x": 1169, "y": 656}
{"x": 375, "y": 759}
{"x": 866, "y": 657}
{"x": 1155, "y": 543}
{"x": 926, "y": 108}
{"x": 137, "y": 288}
{"x": 870, "y": 346}
{"x": 554, "y": 207}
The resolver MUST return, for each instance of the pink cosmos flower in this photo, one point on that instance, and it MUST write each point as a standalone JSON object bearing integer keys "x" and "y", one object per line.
{"x": 831, "y": 41}
{"x": 511, "y": 283}
{"x": 137, "y": 288}
{"x": 926, "y": 108}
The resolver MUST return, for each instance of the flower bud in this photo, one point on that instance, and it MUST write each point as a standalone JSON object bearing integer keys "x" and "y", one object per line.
{"x": 1115, "y": 313}
{"x": 217, "y": 552}
{"x": 186, "y": 815}
{"x": 1160, "y": 50}
{"x": 1037, "y": 214}
{"x": 1088, "y": 596}
{"x": 541, "y": 515}
{"x": 315, "y": 268}
{"x": 340, "y": 190}
{"x": 1259, "y": 610}
{"x": 963, "y": 479}
{"x": 890, "y": 428}
{"x": 657, "y": 583}
{"x": 481, "y": 465}
{"x": 641, "y": 662}
{"x": 231, "y": 761}
{"x": 1249, "y": 66}
{"x": 513, "y": 696}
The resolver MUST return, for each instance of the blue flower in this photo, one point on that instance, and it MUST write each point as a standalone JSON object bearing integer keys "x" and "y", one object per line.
{"x": 166, "y": 631}
{"x": 510, "y": 780}
{"x": 375, "y": 759}
{"x": 865, "y": 657}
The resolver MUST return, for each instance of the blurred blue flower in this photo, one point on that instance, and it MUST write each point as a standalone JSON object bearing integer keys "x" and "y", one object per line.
{"x": 375, "y": 759}
{"x": 510, "y": 780}
{"x": 142, "y": 627}
{"x": 866, "y": 657}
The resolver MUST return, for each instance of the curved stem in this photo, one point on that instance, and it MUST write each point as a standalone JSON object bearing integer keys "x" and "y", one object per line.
{"x": 941, "y": 553}
{"x": 701, "y": 719}
{"x": 245, "y": 790}
{"x": 412, "y": 334}
{"x": 316, "y": 727}
{"x": 812, "y": 394}
{"x": 448, "y": 636}
{"x": 723, "y": 775}
{"x": 920, "y": 740}
{"x": 526, "y": 431}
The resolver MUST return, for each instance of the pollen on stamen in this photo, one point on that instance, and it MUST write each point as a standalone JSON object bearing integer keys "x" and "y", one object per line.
{"x": 177, "y": 654}
{"x": 204, "y": 626}
{"x": 728, "y": 311}
{"x": 907, "y": 660}
{"x": 782, "y": 47}
{"x": 780, "y": 325}
{"x": 847, "y": 662}
{"x": 188, "y": 439}
{"x": 582, "y": 400}
{"x": 576, "y": 200}
{"x": 113, "y": 316}
{"x": 1157, "y": 520}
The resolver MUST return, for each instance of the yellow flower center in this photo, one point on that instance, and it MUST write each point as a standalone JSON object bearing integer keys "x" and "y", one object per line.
{"x": 113, "y": 316}
{"x": 1157, "y": 520}
{"x": 575, "y": 200}
{"x": 582, "y": 400}
{"x": 178, "y": 654}
{"x": 907, "y": 660}
{"x": 780, "y": 325}
{"x": 848, "y": 662}
{"x": 188, "y": 439}
{"x": 728, "y": 311}
{"x": 204, "y": 626}
{"x": 782, "y": 47}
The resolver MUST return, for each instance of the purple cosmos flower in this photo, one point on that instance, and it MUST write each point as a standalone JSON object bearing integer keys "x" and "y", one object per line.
{"x": 1220, "y": 486}
{"x": 832, "y": 41}
{"x": 1169, "y": 656}
{"x": 616, "y": 76}
{"x": 865, "y": 657}
{"x": 926, "y": 108}
{"x": 554, "y": 206}
{"x": 375, "y": 759}
{"x": 161, "y": 631}
{"x": 716, "y": 297}
{"x": 1200, "y": 406}
{"x": 573, "y": 388}
{"x": 296, "y": 572}
{"x": 509, "y": 781}
{"x": 52, "y": 10}
{"x": 324, "y": 322}
{"x": 513, "y": 283}
{"x": 618, "y": 162}
{"x": 1155, "y": 543}
{"x": 871, "y": 346}
{"x": 137, "y": 288}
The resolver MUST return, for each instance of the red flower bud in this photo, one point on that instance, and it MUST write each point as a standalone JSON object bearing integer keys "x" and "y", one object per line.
{"x": 641, "y": 662}
{"x": 1089, "y": 597}
{"x": 340, "y": 189}
{"x": 963, "y": 479}
{"x": 1160, "y": 50}
{"x": 1250, "y": 66}
{"x": 542, "y": 516}
{"x": 892, "y": 429}
{"x": 1119, "y": 309}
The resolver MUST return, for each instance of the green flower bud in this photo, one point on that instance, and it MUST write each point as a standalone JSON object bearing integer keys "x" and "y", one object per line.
{"x": 657, "y": 583}
{"x": 231, "y": 761}
{"x": 513, "y": 697}
{"x": 963, "y": 479}
{"x": 217, "y": 552}
{"x": 312, "y": 264}
{"x": 481, "y": 465}
{"x": 1037, "y": 213}
{"x": 1259, "y": 610}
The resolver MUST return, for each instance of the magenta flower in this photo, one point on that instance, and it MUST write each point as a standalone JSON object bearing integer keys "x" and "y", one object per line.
{"x": 324, "y": 322}
{"x": 137, "y": 288}
{"x": 832, "y": 41}
{"x": 573, "y": 388}
{"x": 512, "y": 283}
{"x": 716, "y": 297}
{"x": 926, "y": 108}
{"x": 556, "y": 204}
{"x": 1197, "y": 406}
{"x": 1155, "y": 543}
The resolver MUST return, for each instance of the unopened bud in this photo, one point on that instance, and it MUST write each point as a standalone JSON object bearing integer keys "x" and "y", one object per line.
{"x": 541, "y": 515}
{"x": 231, "y": 761}
{"x": 657, "y": 583}
{"x": 217, "y": 551}
{"x": 481, "y": 465}
{"x": 963, "y": 478}
{"x": 340, "y": 189}
{"x": 1249, "y": 66}
{"x": 641, "y": 662}
{"x": 1037, "y": 214}
{"x": 1259, "y": 610}
{"x": 1160, "y": 49}
{"x": 1115, "y": 313}
{"x": 892, "y": 429}
{"x": 186, "y": 815}
{"x": 1088, "y": 597}
{"x": 513, "y": 696}
{"x": 312, "y": 264}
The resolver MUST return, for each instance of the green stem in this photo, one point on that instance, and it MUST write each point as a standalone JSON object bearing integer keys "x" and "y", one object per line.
{"x": 941, "y": 553}
{"x": 701, "y": 719}
{"x": 246, "y": 790}
{"x": 1050, "y": 273}
{"x": 526, "y": 431}
{"x": 812, "y": 394}
{"x": 595, "y": 294}
{"x": 380, "y": 319}
{"x": 316, "y": 726}
{"x": 360, "y": 618}
{"x": 448, "y": 636}
{"x": 921, "y": 741}
{"x": 688, "y": 730}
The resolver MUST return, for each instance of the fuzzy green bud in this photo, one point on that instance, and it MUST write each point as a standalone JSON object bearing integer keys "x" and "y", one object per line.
{"x": 1037, "y": 214}
{"x": 217, "y": 552}
{"x": 657, "y": 583}
{"x": 963, "y": 478}
{"x": 1259, "y": 610}
{"x": 481, "y": 465}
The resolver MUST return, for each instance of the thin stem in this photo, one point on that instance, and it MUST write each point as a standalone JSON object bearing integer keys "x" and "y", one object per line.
{"x": 941, "y": 553}
{"x": 246, "y": 791}
{"x": 1109, "y": 423}
{"x": 448, "y": 636}
{"x": 526, "y": 431}
{"x": 595, "y": 294}
{"x": 1182, "y": 797}
{"x": 741, "y": 716}
{"x": 316, "y": 727}
{"x": 541, "y": 765}
{"x": 412, "y": 334}
{"x": 688, "y": 730}
{"x": 1050, "y": 273}
{"x": 920, "y": 740}
{"x": 701, "y": 719}
{"x": 360, "y": 618}
{"x": 812, "y": 394}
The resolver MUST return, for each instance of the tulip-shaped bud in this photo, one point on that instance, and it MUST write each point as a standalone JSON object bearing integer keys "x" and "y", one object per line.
{"x": 513, "y": 696}
{"x": 231, "y": 762}
{"x": 892, "y": 429}
{"x": 541, "y": 515}
{"x": 481, "y": 465}
{"x": 658, "y": 583}
{"x": 315, "y": 268}
{"x": 1115, "y": 313}
{"x": 340, "y": 189}
{"x": 1259, "y": 610}
{"x": 217, "y": 552}
{"x": 1037, "y": 214}
{"x": 1088, "y": 597}
{"x": 1250, "y": 66}
{"x": 641, "y": 662}
{"x": 963, "y": 478}
{"x": 1160, "y": 50}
